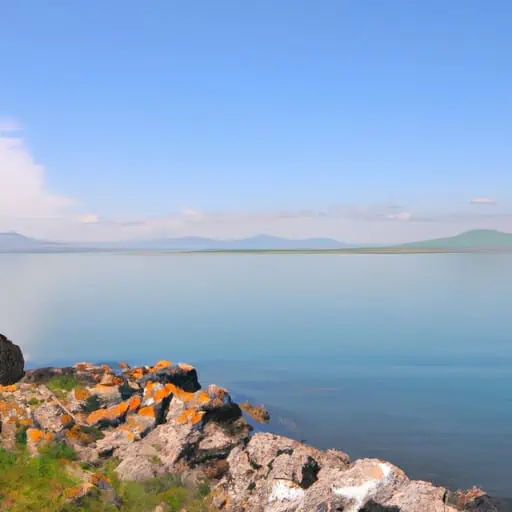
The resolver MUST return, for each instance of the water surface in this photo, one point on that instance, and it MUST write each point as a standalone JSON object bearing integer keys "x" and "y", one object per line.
{"x": 403, "y": 357}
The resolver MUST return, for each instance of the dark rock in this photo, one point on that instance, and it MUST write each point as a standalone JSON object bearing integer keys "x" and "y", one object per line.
{"x": 12, "y": 363}
{"x": 43, "y": 375}
{"x": 183, "y": 376}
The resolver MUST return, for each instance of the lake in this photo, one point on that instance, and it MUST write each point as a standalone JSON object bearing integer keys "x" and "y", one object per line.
{"x": 402, "y": 357}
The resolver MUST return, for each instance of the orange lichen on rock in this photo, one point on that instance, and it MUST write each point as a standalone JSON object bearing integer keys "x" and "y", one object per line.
{"x": 149, "y": 387}
{"x": 191, "y": 416}
{"x": 35, "y": 435}
{"x": 81, "y": 393}
{"x": 186, "y": 367}
{"x": 179, "y": 393}
{"x": 148, "y": 411}
{"x": 134, "y": 403}
{"x": 111, "y": 414}
{"x": 66, "y": 419}
{"x": 48, "y": 436}
{"x": 12, "y": 410}
{"x": 257, "y": 413}
{"x": 123, "y": 365}
{"x": 202, "y": 397}
{"x": 162, "y": 394}
{"x": 25, "y": 422}
{"x": 8, "y": 389}
{"x": 160, "y": 365}
{"x": 100, "y": 480}
{"x": 111, "y": 379}
{"x": 136, "y": 373}
{"x": 76, "y": 434}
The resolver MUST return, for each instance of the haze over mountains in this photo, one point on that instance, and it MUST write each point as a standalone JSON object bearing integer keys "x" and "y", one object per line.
{"x": 484, "y": 239}
{"x": 475, "y": 239}
{"x": 14, "y": 242}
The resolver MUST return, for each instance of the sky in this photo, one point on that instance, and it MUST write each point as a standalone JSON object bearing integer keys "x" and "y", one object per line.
{"x": 362, "y": 120}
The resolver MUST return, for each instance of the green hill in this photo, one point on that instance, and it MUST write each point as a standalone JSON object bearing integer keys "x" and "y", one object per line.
{"x": 484, "y": 239}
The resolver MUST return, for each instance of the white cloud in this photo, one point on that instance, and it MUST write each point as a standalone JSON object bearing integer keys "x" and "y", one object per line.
{"x": 482, "y": 200}
{"x": 23, "y": 193}
{"x": 88, "y": 218}
{"x": 8, "y": 126}
{"x": 402, "y": 216}
{"x": 26, "y": 205}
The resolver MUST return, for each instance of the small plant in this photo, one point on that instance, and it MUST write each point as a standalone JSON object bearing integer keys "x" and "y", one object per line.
{"x": 34, "y": 401}
{"x": 176, "y": 498}
{"x": 203, "y": 489}
{"x": 155, "y": 459}
{"x": 62, "y": 384}
{"x": 21, "y": 436}
{"x": 58, "y": 450}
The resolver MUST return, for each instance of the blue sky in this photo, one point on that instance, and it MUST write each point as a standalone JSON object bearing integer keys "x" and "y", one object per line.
{"x": 362, "y": 120}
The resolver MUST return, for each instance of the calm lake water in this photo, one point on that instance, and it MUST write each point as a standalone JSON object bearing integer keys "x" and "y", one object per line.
{"x": 403, "y": 357}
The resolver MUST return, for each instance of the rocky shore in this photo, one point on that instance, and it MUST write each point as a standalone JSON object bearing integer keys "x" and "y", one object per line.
{"x": 157, "y": 420}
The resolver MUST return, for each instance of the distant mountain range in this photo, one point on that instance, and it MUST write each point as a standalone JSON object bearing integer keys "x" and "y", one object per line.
{"x": 483, "y": 239}
{"x": 14, "y": 242}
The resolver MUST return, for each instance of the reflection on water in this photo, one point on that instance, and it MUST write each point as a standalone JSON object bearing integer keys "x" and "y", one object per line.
{"x": 407, "y": 358}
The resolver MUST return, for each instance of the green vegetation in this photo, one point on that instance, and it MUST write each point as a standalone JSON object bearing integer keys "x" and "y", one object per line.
{"x": 146, "y": 495}
{"x": 477, "y": 239}
{"x": 57, "y": 450}
{"x": 32, "y": 483}
{"x": 47, "y": 481}
{"x": 62, "y": 385}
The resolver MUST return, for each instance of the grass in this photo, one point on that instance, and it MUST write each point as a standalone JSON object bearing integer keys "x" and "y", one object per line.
{"x": 146, "y": 495}
{"x": 40, "y": 483}
{"x": 32, "y": 483}
{"x": 57, "y": 450}
{"x": 62, "y": 384}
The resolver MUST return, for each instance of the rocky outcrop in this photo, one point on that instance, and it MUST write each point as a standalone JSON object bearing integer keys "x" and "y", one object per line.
{"x": 157, "y": 420}
{"x": 12, "y": 364}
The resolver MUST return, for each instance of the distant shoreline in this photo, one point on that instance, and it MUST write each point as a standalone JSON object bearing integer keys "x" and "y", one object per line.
{"x": 164, "y": 252}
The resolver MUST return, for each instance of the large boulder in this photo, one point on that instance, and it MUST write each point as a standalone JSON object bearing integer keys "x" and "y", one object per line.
{"x": 12, "y": 364}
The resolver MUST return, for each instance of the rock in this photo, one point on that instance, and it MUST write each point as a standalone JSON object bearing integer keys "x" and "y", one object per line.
{"x": 474, "y": 499}
{"x": 49, "y": 416}
{"x": 278, "y": 473}
{"x": 184, "y": 376}
{"x": 256, "y": 412}
{"x": 157, "y": 420}
{"x": 36, "y": 438}
{"x": 12, "y": 363}
{"x": 185, "y": 441}
{"x": 107, "y": 395}
{"x": 43, "y": 375}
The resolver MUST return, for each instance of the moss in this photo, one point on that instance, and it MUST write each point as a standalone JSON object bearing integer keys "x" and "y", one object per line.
{"x": 34, "y": 401}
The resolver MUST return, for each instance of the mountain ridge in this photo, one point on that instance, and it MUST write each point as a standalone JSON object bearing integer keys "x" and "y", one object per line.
{"x": 473, "y": 239}
{"x": 477, "y": 239}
